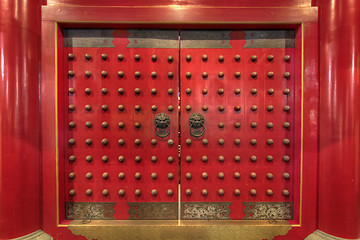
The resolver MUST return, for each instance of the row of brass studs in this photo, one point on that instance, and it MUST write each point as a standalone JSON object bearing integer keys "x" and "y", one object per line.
{"x": 221, "y": 175}
{"x": 237, "y": 75}
{"x": 121, "y": 192}
{"x": 153, "y": 91}
{"x": 120, "y": 57}
{"x": 253, "y": 192}
{"x": 137, "y": 141}
{"x": 121, "y": 175}
{"x": 121, "y": 159}
{"x": 269, "y": 125}
{"x": 237, "y": 158}
{"x": 237, "y": 58}
{"x": 104, "y": 74}
{"x": 221, "y": 108}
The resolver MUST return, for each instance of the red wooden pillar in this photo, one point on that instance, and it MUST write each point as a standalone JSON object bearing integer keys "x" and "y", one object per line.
{"x": 339, "y": 193}
{"x": 19, "y": 118}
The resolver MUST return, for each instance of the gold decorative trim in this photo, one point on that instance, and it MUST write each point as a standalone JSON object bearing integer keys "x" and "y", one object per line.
{"x": 153, "y": 210}
{"x": 268, "y": 210}
{"x": 168, "y": 229}
{"x": 89, "y": 210}
{"x": 205, "y": 210}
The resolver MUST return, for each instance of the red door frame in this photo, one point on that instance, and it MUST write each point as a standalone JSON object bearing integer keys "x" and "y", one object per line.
{"x": 54, "y": 18}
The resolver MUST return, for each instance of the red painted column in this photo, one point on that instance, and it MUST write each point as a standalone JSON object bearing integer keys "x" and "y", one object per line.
{"x": 339, "y": 196}
{"x": 19, "y": 118}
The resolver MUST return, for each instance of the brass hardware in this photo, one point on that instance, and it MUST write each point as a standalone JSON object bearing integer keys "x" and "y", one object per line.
{"x": 104, "y": 56}
{"x": 137, "y": 159}
{"x": 137, "y": 57}
{"x": 204, "y": 91}
{"x": 170, "y": 59}
{"x": 121, "y": 192}
{"x": 221, "y": 58}
{"x": 270, "y": 108}
{"x": 188, "y": 158}
{"x": 286, "y": 91}
{"x": 237, "y": 74}
{"x": 188, "y": 175}
{"x": 121, "y": 91}
{"x": 170, "y": 91}
{"x": 104, "y": 74}
{"x": 237, "y": 175}
{"x": 170, "y": 192}
{"x": 162, "y": 125}
{"x": 269, "y": 158}
{"x": 170, "y": 142}
{"x": 188, "y": 58}
{"x": 104, "y": 107}
{"x": 71, "y": 56}
{"x": 121, "y": 158}
{"x": 120, "y": 57}
{"x": 221, "y": 108}
{"x": 205, "y": 141}
{"x": 286, "y": 141}
{"x": 286, "y": 125}
{"x": 253, "y": 108}
{"x": 204, "y": 158}
{"x": 237, "y": 108}
{"x": 253, "y": 175}
{"x": 88, "y": 192}
{"x": 121, "y": 74}
{"x": 254, "y": 75}
{"x": 104, "y": 91}
{"x": 286, "y": 108}
{"x": 204, "y": 58}
{"x": 221, "y": 141}
{"x": 287, "y": 75}
{"x": 287, "y": 58}
{"x": 72, "y": 124}
{"x": 237, "y": 158}
{"x": 87, "y": 56}
{"x": 170, "y": 159}
{"x": 253, "y": 58}
{"x": 71, "y": 141}
{"x": 204, "y": 108}
{"x": 153, "y": 74}
{"x": 154, "y": 192}
{"x": 270, "y": 141}
{"x": 137, "y": 175}
{"x": 253, "y": 192}
{"x": 170, "y": 108}
{"x": 286, "y": 192}
{"x": 221, "y": 74}
{"x": 270, "y": 58}
{"x": 271, "y": 91}
{"x": 237, "y": 141}
{"x": 87, "y": 107}
{"x": 237, "y": 91}
{"x": 188, "y": 192}
{"x": 204, "y": 74}
{"x": 137, "y": 74}
{"x": 88, "y": 141}
{"x": 170, "y": 176}
{"x": 188, "y": 141}
{"x": 71, "y": 107}
{"x": 153, "y": 91}
{"x": 253, "y": 158}
{"x": 121, "y": 124}
{"x": 121, "y": 175}
{"x": 153, "y": 158}
{"x": 204, "y": 175}
{"x": 253, "y": 124}
{"x": 188, "y": 107}
{"x": 72, "y": 158}
{"x": 188, "y": 75}
{"x": 221, "y": 192}
{"x": 71, "y": 90}
{"x": 88, "y": 74}
{"x": 88, "y": 158}
{"x": 153, "y": 58}
{"x": 237, "y": 124}
{"x": 221, "y": 125}
{"x": 72, "y": 192}
{"x": 270, "y": 74}
{"x": 88, "y": 175}
{"x": 204, "y": 192}
{"x": 253, "y": 141}
{"x": 137, "y": 141}
{"x": 237, "y": 58}
{"x": 220, "y": 91}
{"x": 221, "y": 158}
{"x": 104, "y": 141}
{"x": 286, "y": 158}
{"x": 269, "y": 192}
{"x": 72, "y": 175}
{"x": 105, "y": 175}
{"x": 137, "y": 192}
{"x": 253, "y": 91}
{"x": 221, "y": 175}
{"x": 87, "y": 91}
{"x": 88, "y": 124}
{"x": 270, "y": 176}
{"x": 269, "y": 125}
{"x": 137, "y": 108}
{"x": 197, "y": 124}
{"x": 170, "y": 74}
{"x": 71, "y": 73}
{"x": 286, "y": 175}
{"x": 154, "y": 107}
{"x": 237, "y": 192}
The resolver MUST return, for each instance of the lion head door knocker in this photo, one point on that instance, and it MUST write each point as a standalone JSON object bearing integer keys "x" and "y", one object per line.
{"x": 197, "y": 124}
{"x": 162, "y": 125}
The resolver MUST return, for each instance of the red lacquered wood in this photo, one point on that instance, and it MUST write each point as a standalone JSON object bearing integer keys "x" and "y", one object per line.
{"x": 174, "y": 18}
{"x": 188, "y": 3}
{"x": 19, "y": 118}
{"x": 339, "y": 156}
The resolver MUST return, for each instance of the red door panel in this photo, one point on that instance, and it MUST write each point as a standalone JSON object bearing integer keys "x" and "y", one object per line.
{"x": 115, "y": 84}
{"x": 242, "y": 84}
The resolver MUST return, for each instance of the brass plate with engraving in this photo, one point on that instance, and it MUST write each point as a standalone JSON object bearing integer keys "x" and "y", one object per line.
{"x": 89, "y": 210}
{"x": 268, "y": 210}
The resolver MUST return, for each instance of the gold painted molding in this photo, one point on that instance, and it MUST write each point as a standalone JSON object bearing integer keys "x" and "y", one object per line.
{"x": 234, "y": 229}
{"x": 320, "y": 235}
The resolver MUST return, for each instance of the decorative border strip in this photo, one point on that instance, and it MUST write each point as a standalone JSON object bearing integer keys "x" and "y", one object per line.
{"x": 89, "y": 210}
{"x": 205, "y": 210}
{"x": 153, "y": 210}
{"x": 269, "y": 210}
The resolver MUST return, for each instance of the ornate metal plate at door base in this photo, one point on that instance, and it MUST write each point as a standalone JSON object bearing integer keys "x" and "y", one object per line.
{"x": 205, "y": 211}
{"x": 153, "y": 210}
{"x": 197, "y": 124}
{"x": 162, "y": 125}
{"x": 89, "y": 210}
{"x": 268, "y": 210}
